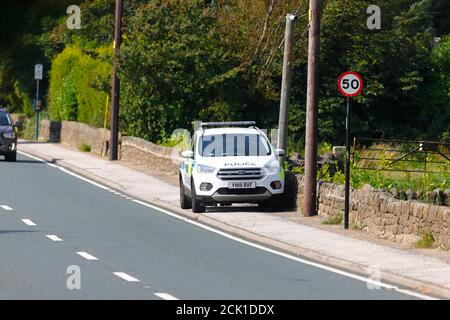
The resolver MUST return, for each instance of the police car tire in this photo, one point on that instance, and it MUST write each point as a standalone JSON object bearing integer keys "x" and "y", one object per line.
{"x": 197, "y": 206}
{"x": 185, "y": 203}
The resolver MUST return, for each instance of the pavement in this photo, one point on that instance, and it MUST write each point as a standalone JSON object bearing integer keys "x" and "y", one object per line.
{"x": 130, "y": 221}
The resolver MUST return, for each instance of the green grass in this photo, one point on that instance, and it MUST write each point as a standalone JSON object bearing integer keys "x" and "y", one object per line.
{"x": 427, "y": 241}
{"x": 356, "y": 225}
{"x": 85, "y": 147}
{"x": 334, "y": 219}
{"x": 421, "y": 183}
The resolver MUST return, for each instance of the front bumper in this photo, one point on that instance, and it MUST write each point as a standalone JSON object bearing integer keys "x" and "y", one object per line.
{"x": 7, "y": 146}
{"x": 221, "y": 193}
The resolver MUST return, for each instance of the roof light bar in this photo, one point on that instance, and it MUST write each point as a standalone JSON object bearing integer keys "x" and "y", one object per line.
{"x": 228, "y": 124}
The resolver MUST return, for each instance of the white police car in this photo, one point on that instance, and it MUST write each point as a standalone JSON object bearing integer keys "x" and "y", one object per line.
{"x": 230, "y": 162}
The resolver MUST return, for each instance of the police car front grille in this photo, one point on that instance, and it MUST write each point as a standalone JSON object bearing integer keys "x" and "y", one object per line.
{"x": 240, "y": 174}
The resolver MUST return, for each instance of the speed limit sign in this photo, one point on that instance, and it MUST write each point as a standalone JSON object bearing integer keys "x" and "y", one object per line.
{"x": 350, "y": 84}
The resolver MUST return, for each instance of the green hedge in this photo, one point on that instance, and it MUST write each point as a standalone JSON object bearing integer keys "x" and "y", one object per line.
{"x": 79, "y": 83}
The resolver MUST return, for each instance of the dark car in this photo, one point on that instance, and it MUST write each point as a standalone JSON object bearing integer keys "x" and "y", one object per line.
{"x": 8, "y": 137}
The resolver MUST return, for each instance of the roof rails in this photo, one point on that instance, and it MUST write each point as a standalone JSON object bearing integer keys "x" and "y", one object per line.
{"x": 228, "y": 124}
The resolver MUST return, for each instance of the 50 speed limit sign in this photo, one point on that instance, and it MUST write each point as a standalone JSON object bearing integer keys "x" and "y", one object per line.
{"x": 350, "y": 84}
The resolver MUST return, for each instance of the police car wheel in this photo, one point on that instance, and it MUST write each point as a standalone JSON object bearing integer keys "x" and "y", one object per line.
{"x": 185, "y": 203}
{"x": 197, "y": 206}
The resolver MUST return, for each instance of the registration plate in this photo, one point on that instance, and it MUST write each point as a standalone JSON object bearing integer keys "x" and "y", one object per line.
{"x": 242, "y": 185}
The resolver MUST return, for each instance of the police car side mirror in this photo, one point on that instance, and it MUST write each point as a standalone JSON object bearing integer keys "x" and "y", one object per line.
{"x": 280, "y": 152}
{"x": 187, "y": 154}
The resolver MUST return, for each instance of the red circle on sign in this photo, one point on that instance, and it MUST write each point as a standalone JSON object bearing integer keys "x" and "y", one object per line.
{"x": 345, "y": 91}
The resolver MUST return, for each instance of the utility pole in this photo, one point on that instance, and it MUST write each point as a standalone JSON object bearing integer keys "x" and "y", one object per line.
{"x": 286, "y": 84}
{"x": 115, "y": 94}
{"x": 310, "y": 201}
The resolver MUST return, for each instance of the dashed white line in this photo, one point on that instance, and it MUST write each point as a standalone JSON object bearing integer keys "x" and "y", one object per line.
{"x": 5, "y": 207}
{"x": 165, "y": 296}
{"x": 87, "y": 256}
{"x": 53, "y": 237}
{"x": 28, "y": 222}
{"x": 126, "y": 277}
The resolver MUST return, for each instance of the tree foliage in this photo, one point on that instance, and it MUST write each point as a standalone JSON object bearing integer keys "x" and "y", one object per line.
{"x": 185, "y": 60}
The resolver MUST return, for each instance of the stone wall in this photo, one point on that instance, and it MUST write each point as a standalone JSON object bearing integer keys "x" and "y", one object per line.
{"x": 74, "y": 134}
{"x": 144, "y": 153}
{"x": 50, "y": 131}
{"x": 382, "y": 215}
{"x": 133, "y": 150}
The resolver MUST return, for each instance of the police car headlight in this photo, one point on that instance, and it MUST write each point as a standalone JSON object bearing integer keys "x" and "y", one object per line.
{"x": 205, "y": 169}
{"x": 9, "y": 135}
{"x": 272, "y": 167}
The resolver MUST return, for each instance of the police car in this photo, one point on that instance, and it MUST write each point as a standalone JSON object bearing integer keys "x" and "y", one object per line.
{"x": 230, "y": 162}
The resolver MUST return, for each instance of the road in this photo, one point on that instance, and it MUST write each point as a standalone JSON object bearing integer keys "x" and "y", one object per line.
{"x": 127, "y": 250}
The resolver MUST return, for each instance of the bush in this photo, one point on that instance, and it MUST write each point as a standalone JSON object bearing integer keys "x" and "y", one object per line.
{"x": 334, "y": 219}
{"x": 427, "y": 241}
{"x": 175, "y": 70}
{"x": 85, "y": 147}
{"x": 79, "y": 82}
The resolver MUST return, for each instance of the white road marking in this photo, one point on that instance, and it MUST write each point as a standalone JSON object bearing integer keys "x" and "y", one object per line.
{"x": 87, "y": 256}
{"x": 53, "y": 237}
{"x": 65, "y": 170}
{"x": 126, "y": 277}
{"x": 5, "y": 207}
{"x": 165, "y": 296}
{"x": 288, "y": 256}
{"x": 254, "y": 245}
{"x": 28, "y": 222}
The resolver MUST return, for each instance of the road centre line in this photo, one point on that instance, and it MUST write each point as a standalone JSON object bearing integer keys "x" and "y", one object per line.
{"x": 28, "y": 222}
{"x": 86, "y": 255}
{"x": 126, "y": 276}
{"x": 165, "y": 296}
{"x": 53, "y": 237}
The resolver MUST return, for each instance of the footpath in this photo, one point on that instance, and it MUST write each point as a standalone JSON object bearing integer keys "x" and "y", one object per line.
{"x": 411, "y": 269}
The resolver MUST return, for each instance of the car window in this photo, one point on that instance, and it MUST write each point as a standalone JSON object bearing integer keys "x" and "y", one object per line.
{"x": 234, "y": 145}
{"x": 5, "y": 120}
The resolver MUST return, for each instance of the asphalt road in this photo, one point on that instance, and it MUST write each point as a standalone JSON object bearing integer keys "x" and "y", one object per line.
{"x": 163, "y": 256}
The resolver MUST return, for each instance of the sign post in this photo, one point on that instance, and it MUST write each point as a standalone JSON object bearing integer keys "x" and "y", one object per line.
{"x": 38, "y": 75}
{"x": 350, "y": 84}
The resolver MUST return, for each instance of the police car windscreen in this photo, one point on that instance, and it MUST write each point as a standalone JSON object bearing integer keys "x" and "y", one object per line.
{"x": 234, "y": 145}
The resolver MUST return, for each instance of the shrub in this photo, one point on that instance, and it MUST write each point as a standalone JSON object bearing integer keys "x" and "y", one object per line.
{"x": 85, "y": 147}
{"x": 427, "y": 241}
{"x": 334, "y": 219}
{"x": 79, "y": 82}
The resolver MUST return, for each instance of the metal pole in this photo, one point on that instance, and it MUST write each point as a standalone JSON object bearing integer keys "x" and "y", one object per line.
{"x": 115, "y": 95}
{"x": 347, "y": 164}
{"x": 286, "y": 84}
{"x": 37, "y": 111}
{"x": 310, "y": 205}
